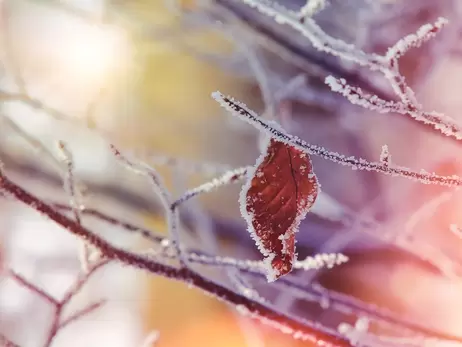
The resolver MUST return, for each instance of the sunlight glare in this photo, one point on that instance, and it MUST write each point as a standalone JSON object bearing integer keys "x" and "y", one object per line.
{"x": 94, "y": 53}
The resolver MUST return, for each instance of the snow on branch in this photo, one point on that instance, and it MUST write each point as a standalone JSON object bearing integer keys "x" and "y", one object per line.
{"x": 171, "y": 248}
{"x": 316, "y": 262}
{"x": 318, "y": 38}
{"x": 162, "y": 192}
{"x": 305, "y": 330}
{"x": 70, "y": 186}
{"x": 274, "y": 130}
{"x": 230, "y": 176}
{"x": 357, "y": 97}
{"x": 387, "y": 64}
{"x": 425, "y": 33}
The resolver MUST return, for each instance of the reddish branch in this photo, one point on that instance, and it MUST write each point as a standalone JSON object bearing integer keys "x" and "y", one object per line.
{"x": 335, "y": 299}
{"x": 310, "y": 331}
{"x": 58, "y": 323}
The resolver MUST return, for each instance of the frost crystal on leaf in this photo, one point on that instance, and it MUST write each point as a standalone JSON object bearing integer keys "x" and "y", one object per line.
{"x": 278, "y": 194}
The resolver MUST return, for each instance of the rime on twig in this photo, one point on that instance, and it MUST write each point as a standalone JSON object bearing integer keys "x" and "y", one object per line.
{"x": 240, "y": 110}
{"x": 172, "y": 214}
{"x": 306, "y": 330}
{"x": 387, "y": 64}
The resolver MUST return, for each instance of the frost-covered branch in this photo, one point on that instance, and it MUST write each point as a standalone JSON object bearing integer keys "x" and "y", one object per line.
{"x": 308, "y": 331}
{"x": 168, "y": 250}
{"x": 70, "y": 186}
{"x": 227, "y": 178}
{"x": 240, "y": 110}
{"x": 387, "y": 64}
{"x": 155, "y": 265}
{"x": 161, "y": 191}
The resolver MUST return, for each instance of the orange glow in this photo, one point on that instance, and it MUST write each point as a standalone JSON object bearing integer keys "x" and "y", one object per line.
{"x": 222, "y": 329}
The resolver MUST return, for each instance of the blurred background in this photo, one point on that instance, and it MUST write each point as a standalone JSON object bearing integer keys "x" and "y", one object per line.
{"x": 139, "y": 74}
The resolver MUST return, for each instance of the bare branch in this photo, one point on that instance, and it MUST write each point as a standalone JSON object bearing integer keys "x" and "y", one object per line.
{"x": 145, "y": 233}
{"x": 56, "y": 324}
{"x": 81, "y": 313}
{"x": 33, "y": 288}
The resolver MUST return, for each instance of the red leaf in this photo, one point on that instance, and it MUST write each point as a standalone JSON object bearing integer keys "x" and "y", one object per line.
{"x": 281, "y": 190}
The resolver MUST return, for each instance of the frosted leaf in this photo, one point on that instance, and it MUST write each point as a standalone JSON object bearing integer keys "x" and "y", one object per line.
{"x": 280, "y": 190}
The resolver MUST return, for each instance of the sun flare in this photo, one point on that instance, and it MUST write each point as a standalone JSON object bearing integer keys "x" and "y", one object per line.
{"x": 95, "y": 53}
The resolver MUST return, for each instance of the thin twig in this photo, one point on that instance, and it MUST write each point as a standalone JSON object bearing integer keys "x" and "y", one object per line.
{"x": 70, "y": 186}
{"x": 33, "y": 288}
{"x": 75, "y": 289}
{"x": 145, "y": 233}
{"x": 229, "y": 177}
{"x": 163, "y": 194}
{"x": 81, "y": 313}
